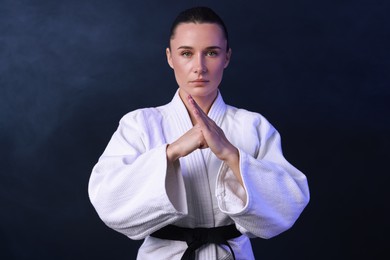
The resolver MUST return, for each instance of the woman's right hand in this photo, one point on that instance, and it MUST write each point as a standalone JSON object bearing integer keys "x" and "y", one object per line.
{"x": 186, "y": 144}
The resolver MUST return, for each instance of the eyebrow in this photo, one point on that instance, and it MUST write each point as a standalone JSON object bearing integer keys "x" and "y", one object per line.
{"x": 190, "y": 48}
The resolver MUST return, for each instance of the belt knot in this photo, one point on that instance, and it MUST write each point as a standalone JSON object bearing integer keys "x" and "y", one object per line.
{"x": 197, "y": 237}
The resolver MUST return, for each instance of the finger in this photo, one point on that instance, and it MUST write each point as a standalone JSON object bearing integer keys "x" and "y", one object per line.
{"x": 193, "y": 103}
{"x": 197, "y": 111}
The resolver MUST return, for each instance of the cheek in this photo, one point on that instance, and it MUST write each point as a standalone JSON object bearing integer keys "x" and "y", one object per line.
{"x": 182, "y": 70}
{"x": 218, "y": 69}
{"x": 180, "y": 64}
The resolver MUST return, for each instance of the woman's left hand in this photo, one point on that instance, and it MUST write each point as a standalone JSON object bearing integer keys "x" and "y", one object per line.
{"x": 212, "y": 133}
{"x": 215, "y": 138}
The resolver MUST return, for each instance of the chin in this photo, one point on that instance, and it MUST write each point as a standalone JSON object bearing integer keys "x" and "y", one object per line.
{"x": 203, "y": 92}
{"x": 200, "y": 90}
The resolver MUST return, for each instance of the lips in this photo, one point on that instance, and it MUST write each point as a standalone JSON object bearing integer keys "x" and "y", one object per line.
{"x": 199, "y": 81}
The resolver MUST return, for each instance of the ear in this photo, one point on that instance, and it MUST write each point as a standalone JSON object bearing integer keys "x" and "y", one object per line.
{"x": 169, "y": 57}
{"x": 228, "y": 55}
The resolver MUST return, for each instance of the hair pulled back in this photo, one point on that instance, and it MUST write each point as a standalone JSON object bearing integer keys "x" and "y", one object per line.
{"x": 199, "y": 14}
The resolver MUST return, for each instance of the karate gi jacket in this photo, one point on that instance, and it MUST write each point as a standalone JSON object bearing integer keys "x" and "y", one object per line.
{"x": 136, "y": 192}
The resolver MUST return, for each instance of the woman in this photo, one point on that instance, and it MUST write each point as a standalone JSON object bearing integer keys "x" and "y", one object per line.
{"x": 197, "y": 178}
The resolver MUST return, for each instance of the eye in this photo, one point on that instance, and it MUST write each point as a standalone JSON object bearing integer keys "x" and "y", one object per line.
{"x": 186, "y": 54}
{"x": 211, "y": 53}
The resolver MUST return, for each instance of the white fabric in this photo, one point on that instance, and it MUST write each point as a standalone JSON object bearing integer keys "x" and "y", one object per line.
{"x": 136, "y": 192}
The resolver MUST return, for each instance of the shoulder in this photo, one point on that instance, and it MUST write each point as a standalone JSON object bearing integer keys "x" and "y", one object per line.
{"x": 144, "y": 117}
{"x": 247, "y": 118}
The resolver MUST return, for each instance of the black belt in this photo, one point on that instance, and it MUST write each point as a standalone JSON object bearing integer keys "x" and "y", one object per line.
{"x": 197, "y": 237}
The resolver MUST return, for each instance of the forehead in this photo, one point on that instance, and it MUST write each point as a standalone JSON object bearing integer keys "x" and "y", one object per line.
{"x": 198, "y": 34}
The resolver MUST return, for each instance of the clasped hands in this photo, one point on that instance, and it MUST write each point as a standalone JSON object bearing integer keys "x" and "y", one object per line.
{"x": 204, "y": 134}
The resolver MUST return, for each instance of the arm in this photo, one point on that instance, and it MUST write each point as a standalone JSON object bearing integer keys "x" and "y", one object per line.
{"x": 275, "y": 192}
{"x": 130, "y": 185}
{"x": 262, "y": 192}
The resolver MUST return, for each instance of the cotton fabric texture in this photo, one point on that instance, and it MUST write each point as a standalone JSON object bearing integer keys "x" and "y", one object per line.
{"x": 136, "y": 192}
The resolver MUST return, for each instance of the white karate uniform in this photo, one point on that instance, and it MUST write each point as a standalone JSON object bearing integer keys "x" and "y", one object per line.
{"x": 136, "y": 192}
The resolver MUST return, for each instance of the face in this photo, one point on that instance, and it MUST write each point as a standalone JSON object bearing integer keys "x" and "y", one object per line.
{"x": 198, "y": 57}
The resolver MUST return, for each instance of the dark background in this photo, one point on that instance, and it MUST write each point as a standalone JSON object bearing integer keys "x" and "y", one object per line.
{"x": 318, "y": 70}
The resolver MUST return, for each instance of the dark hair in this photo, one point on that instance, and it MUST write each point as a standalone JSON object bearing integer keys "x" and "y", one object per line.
{"x": 199, "y": 14}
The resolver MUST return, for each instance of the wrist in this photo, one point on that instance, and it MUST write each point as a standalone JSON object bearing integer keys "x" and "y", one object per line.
{"x": 233, "y": 161}
{"x": 231, "y": 156}
{"x": 172, "y": 154}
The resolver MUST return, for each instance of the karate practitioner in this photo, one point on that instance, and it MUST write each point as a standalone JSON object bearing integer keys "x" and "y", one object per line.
{"x": 196, "y": 178}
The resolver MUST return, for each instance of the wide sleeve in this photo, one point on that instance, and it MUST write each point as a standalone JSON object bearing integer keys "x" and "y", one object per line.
{"x": 274, "y": 194}
{"x": 132, "y": 188}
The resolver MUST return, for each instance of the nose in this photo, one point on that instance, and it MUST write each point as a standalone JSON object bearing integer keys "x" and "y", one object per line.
{"x": 200, "y": 64}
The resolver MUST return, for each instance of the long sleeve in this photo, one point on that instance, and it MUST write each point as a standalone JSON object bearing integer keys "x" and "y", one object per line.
{"x": 130, "y": 184}
{"x": 275, "y": 192}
